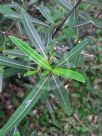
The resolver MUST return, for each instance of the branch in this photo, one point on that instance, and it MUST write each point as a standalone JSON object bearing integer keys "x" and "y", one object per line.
{"x": 87, "y": 32}
{"x": 99, "y": 14}
{"x": 56, "y": 29}
{"x": 63, "y": 21}
{"x": 19, "y": 36}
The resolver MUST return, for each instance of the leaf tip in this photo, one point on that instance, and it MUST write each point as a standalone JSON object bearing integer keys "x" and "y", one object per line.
{"x": 11, "y": 37}
{"x": 70, "y": 112}
{"x": 83, "y": 80}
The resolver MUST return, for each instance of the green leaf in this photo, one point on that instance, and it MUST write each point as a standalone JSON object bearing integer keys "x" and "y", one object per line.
{"x": 18, "y": 18}
{"x": 29, "y": 73}
{"x": 11, "y": 72}
{"x": 1, "y": 78}
{"x": 66, "y": 4}
{"x": 31, "y": 2}
{"x": 72, "y": 20}
{"x": 45, "y": 12}
{"x": 32, "y": 54}
{"x": 39, "y": 22}
{"x": 7, "y": 11}
{"x": 45, "y": 73}
{"x": 83, "y": 23}
{"x": 47, "y": 36}
{"x": 33, "y": 133}
{"x": 13, "y": 16}
{"x": 74, "y": 52}
{"x": 14, "y": 52}
{"x": 96, "y": 2}
{"x": 44, "y": 96}
{"x": 69, "y": 74}
{"x": 15, "y": 132}
{"x": 61, "y": 94}
{"x": 32, "y": 33}
{"x": 96, "y": 22}
{"x": 25, "y": 107}
{"x": 13, "y": 63}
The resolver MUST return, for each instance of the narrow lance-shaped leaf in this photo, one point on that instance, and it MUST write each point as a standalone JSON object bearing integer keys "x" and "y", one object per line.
{"x": 96, "y": 2}
{"x": 14, "y": 52}
{"x": 32, "y": 54}
{"x": 30, "y": 73}
{"x": 33, "y": 133}
{"x": 61, "y": 94}
{"x": 47, "y": 36}
{"x": 72, "y": 20}
{"x": 31, "y": 2}
{"x": 7, "y": 11}
{"x": 74, "y": 52}
{"x": 25, "y": 107}
{"x": 32, "y": 33}
{"x": 1, "y": 78}
{"x": 13, "y": 16}
{"x": 11, "y": 72}
{"x": 39, "y": 22}
{"x": 69, "y": 74}
{"x": 14, "y": 132}
{"x": 45, "y": 12}
{"x": 68, "y": 5}
{"x": 82, "y": 23}
{"x": 13, "y": 63}
{"x": 45, "y": 94}
{"x": 19, "y": 18}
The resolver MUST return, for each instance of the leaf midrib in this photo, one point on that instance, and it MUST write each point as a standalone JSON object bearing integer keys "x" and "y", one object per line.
{"x": 29, "y": 104}
{"x": 31, "y": 54}
{"x": 70, "y": 55}
{"x": 60, "y": 92}
{"x": 35, "y": 37}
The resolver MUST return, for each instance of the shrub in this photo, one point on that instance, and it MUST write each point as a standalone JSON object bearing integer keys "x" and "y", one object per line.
{"x": 36, "y": 50}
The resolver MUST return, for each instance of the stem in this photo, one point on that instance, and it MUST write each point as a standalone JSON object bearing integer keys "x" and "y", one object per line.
{"x": 57, "y": 29}
{"x": 19, "y": 36}
{"x": 89, "y": 28}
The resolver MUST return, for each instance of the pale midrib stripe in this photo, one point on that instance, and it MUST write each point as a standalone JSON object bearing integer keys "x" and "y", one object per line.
{"x": 30, "y": 103}
{"x": 15, "y": 63}
{"x": 48, "y": 16}
{"x": 15, "y": 130}
{"x": 81, "y": 24}
{"x": 32, "y": 55}
{"x": 60, "y": 92}
{"x": 35, "y": 38}
{"x": 71, "y": 55}
{"x": 74, "y": 17}
{"x": 14, "y": 53}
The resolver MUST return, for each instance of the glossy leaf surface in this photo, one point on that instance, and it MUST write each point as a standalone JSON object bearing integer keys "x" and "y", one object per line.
{"x": 59, "y": 91}
{"x": 25, "y": 107}
{"x": 69, "y": 74}
{"x": 32, "y": 33}
{"x": 74, "y": 52}
{"x": 32, "y": 54}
